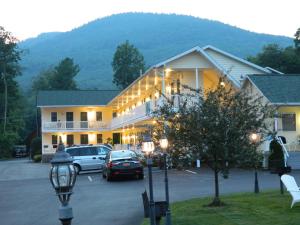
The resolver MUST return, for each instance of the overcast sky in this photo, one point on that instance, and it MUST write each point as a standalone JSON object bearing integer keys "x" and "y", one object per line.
{"x": 28, "y": 18}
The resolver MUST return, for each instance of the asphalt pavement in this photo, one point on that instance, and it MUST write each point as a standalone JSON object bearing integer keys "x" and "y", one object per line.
{"x": 27, "y": 197}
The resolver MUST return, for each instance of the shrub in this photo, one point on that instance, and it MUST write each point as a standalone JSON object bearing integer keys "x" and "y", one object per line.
{"x": 7, "y": 142}
{"x": 37, "y": 158}
{"x": 36, "y": 147}
{"x": 276, "y": 158}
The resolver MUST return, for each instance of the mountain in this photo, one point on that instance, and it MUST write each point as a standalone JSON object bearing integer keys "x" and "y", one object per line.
{"x": 158, "y": 36}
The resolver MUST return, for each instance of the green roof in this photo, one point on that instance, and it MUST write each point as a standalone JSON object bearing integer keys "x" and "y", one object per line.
{"x": 278, "y": 89}
{"x": 75, "y": 97}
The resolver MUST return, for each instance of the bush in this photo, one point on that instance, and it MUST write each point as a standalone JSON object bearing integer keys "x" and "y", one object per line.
{"x": 7, "y": 142}
{"x": 276, "y": 158}
{"x": 37, "y": 158}
{"x": 36, "y": 147}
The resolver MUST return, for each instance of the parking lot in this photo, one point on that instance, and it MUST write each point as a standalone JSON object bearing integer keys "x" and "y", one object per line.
{"x": 27, "y": 197}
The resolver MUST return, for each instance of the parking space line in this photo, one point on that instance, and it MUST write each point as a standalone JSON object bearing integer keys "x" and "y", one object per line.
{"x": 90, "y": 178}
{"x": 191, "y": 171}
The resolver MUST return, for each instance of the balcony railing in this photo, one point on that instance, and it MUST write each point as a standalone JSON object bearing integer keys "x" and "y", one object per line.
{"x": 137, "y": 114}
{"x": 74, "y": 125}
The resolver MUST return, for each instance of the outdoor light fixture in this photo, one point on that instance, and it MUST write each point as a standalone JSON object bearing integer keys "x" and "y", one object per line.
{"x": 222, "y": 83}
{"x": 164, "y": 146}
{"x": 254, "y": 138}
{"x": 62, "y": 178}
{"x": 148, "y": 148}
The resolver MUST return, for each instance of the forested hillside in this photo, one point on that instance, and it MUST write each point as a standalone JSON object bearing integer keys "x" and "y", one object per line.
{"x": 158, "y": 36}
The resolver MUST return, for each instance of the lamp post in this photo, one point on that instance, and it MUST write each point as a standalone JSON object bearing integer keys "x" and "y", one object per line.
{"x": 148, "y": 148}
{"x": 164, "y": 146}
{"x": 254, "y": 139}
{"x": 62, "y": 178}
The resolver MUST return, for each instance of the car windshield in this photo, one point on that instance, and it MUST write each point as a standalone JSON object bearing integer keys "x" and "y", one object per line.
{"x": 123, "y": 154}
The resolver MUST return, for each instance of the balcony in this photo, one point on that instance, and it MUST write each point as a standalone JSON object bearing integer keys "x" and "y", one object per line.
{"x": 135, "y": 115}
{"x": 74, "y": 126}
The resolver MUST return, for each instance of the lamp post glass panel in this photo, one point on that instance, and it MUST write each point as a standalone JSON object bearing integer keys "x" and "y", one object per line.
{"x": 164, "y": 146}
{"x": 62, "y": 178}
{"x": 148, "y": 148}
{"x": 254, "y": 138}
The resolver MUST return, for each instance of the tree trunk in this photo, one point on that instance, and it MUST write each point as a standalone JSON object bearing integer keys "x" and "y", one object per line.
{"x": 216, "y": 201}
{"x": 5, "y": 102}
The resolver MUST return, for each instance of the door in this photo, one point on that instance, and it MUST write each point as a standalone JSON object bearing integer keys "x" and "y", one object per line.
{"x": 70, "y": 120}
{"x": 116, "y": 138}
{"x": 83, "y": 120}
{"x": 89, "y": 157}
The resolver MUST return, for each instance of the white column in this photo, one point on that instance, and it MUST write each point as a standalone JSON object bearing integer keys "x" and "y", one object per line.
{"x": 163, "y": 82}
{"x": 197, "y": 78}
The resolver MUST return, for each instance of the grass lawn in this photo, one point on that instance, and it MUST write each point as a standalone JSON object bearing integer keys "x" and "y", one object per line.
{"x": 267, "y": 208}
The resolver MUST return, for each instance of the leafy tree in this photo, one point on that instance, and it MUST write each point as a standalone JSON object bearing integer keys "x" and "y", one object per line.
{"x": 286, "y": 60}
{"x": 297, "y": 39}
{"x": 127, "y": 64}
{"x": 216, "y": 127}
{"x": 63, "y": 76}
{"x": 11, "y": 116}
{"x": 42, "y": 81}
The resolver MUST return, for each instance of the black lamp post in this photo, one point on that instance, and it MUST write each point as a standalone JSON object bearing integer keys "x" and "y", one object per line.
{"x": 62, "y": 178}
{"x": 164, "y": 146}
{"x": 254, "y": 138}
{"x": 148, "y": 148}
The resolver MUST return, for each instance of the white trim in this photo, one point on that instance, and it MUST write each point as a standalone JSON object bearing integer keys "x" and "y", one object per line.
{"x": 64, "y": 106}
{"x": 236, "y": 58}
{"x": 273, "y": 70}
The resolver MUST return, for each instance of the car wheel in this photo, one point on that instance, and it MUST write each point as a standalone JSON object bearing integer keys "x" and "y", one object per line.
{"x": 77, "y": 168}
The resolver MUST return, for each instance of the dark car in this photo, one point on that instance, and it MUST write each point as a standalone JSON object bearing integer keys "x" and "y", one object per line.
{"x": 122, "y": 163}
{"x": 20, "y": 151}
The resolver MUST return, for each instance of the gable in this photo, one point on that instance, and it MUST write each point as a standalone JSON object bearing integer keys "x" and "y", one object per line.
{"x": 191, "y": 60}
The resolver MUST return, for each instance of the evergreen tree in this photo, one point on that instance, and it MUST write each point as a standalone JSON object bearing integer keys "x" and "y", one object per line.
{"x": 127, "y": 64}
{"x": 297, "y": 39}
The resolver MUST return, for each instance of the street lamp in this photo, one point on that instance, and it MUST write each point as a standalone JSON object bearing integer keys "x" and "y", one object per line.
{"x": 164, "y": 146}
{"x": 254, "y": 138}
{"x": 148, "y": 148}
{"x": 62, "y": 178}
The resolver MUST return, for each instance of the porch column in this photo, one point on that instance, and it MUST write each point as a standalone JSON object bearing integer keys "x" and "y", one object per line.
{"x": 197, "y": 78}
{"x": 163, "y": 82}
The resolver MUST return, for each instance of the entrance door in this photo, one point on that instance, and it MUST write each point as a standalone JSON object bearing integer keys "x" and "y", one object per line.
{"x": 116, "y": 138}
{"x": 70, "y": 120}
{"x": 83, "y": 120}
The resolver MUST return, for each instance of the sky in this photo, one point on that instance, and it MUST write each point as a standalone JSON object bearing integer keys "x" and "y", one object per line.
{"x": 28, "y": 18}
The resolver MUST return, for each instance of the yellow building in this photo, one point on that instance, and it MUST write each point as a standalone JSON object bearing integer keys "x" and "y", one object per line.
{"x": 91, "y": 117}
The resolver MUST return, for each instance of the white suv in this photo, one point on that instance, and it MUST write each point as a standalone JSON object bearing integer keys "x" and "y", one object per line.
{"x": 88, "y": 157}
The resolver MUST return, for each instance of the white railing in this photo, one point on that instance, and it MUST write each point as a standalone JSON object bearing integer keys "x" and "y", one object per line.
{"x": 137, "y": 114}
{"x": 74, "y": 125}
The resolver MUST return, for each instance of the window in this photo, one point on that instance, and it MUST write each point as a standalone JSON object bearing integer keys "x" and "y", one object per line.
{"x": 84, "y": 139}
{"x": 114, "y": 115}
{"x": 85, "y": 151}
{"x": 103, "y": 150}
{"x": 83, "y": 116}
{"x": 73, "y": 151}
{"x": 98, "y": 116}
{"x": 289, "y": 122}
{"x": 53, "y": 116}
{"x": 99, "y": 139}
{"x": 70, "y": 139}
{"x": 54, "y": 139}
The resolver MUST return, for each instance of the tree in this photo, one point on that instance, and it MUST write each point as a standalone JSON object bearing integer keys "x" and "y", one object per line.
{"x": 127, "y": 64}
{"x": 217, "y": 126}
{"x": 286, "y": 60}
{"x": 297, "y": 39}
{"x": 42, "y": 81}
{"x": 63, "y": 75}
{"x": 11, "y": 117}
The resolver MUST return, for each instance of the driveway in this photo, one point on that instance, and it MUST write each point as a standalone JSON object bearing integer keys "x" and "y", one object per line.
{"x": 27, "y": 198}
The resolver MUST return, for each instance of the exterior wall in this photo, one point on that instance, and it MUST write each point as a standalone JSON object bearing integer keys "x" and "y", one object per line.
{"x": 236, "y": 68}
{"x": 47, "y": 147}
{"x": 291, "y": 136}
